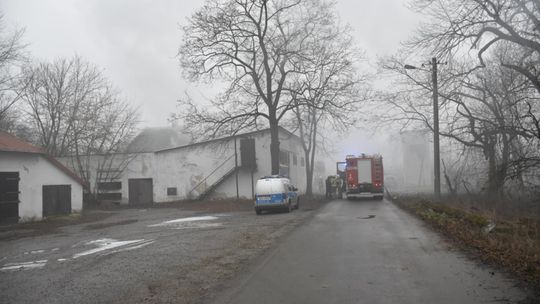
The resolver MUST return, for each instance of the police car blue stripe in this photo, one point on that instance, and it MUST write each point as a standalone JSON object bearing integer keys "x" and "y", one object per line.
{"x": 270, "y": 199}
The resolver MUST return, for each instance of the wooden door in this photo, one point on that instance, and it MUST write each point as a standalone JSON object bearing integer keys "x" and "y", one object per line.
{"x": 140, "y": 191}
{"x": 56, "y": 200}
{"x": 9, "y": 197}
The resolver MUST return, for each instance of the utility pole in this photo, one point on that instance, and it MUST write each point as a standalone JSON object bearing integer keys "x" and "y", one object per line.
{"x": 436, "y": 150}
{"x": 236, "y": 168}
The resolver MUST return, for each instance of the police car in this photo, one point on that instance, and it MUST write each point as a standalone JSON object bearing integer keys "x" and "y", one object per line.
{"x": 275, "y": 192}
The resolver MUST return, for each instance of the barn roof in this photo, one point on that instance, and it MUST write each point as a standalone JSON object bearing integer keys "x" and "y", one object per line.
{"x": 10, "y": 143}
{"x": 156, "y": 139}
{"x": 281, "y": 129}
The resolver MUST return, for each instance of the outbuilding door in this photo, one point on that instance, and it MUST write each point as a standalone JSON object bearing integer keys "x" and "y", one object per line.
{"x": 9, "y": 197}
{"x": 56, "y": 200}
{"x": 140, "y": 191}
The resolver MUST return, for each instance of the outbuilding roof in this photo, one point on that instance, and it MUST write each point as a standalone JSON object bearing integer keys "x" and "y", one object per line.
{"x": 10, "y": 143}
{"x": 281, "y": 129}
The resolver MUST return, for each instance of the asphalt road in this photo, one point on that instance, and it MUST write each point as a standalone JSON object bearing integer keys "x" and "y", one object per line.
{"x": 368, "y": 252}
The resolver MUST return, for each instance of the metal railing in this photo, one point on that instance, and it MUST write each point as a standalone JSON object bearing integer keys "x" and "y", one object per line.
{"x": 214, "y": 177}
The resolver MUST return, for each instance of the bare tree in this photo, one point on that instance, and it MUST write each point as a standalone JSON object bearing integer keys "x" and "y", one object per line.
{"x": 61, "y": 100}
{"x": 254, "y": 46}
{"x": 457, "y": 27}
{"x": 74, "y": 111}
{"x": 481, "y": 109}
{"x": 327, "y": 92}
{"x": 11, "y": 59}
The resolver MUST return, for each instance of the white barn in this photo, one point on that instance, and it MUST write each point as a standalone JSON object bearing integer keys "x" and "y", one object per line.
{"x": 34, "y": 185}
{"x": 221, "y": 168}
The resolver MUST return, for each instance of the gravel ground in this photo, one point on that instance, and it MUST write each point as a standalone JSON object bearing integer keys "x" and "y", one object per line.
{"x": 177, "y": 253}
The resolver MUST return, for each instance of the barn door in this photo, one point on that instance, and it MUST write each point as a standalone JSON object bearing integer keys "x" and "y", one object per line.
{"x": 140, "y": 191}
{"x": 56, "y": 200}
{"x": 9, "y": 197}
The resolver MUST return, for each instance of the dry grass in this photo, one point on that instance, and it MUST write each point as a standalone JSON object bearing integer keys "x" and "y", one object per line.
{"x": 513, "y": 243}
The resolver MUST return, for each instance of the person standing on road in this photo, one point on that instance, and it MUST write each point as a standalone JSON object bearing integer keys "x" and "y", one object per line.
{"x": 329, "y": 187}
{"x": 340, "y": 183}
{"x": 335, "y": 185}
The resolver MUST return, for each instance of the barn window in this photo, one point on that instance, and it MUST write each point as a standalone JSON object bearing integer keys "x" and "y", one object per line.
{"x": 109, "y": 191}
{"x": 171, "y": 191}
{"x": 109, "y": 185}
{"x": 284, "y": 158}
{"x": 284, "y": 163}
{"x": 110, "y": 196}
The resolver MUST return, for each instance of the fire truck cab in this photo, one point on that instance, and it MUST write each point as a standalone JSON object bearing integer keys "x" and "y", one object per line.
{"x": 364, "y": 176}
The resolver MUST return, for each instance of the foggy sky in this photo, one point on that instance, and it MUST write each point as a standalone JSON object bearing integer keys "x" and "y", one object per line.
{"x": 135, "y": 43}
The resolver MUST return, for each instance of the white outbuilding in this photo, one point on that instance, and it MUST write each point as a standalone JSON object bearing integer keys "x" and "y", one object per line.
{"x": 34, "y": 185}
{"x": 226, "y": 167}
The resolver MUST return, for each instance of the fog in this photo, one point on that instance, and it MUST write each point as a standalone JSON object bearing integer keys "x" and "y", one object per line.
{"x": 135, "y": 45}
{"x": 136, "y": 42}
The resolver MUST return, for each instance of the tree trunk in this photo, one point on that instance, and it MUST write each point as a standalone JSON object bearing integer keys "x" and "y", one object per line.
{"x": 494, "y": 175}
{"x": 310, "y": 154}
{"x": 309, "y": 174}
{"x": 274, "y": 145}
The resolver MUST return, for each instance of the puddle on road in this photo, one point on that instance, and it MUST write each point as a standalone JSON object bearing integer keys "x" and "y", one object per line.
{"x": 185, "y": 219}
{"x": 136, "y": 246}
{"x": 104, "y": 246}
{"x": 367, "y": 217}
{"x": 197, "y": 225}
{"x": 24, "y": 265}
{"x": 39, "y": 251}
{"x": 190, "y": 223}
{"x": 35, "y": 251}
{"x": 107, "y": 244}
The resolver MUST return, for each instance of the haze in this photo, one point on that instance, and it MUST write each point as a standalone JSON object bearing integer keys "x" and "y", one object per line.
{"x": 136, "y": 42}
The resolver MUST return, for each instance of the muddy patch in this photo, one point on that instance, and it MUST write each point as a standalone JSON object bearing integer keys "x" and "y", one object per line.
{"x": 49, "y": 225}
{"x": 112, "y": 224}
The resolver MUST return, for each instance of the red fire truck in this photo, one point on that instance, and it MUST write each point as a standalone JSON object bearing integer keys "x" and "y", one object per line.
{"x": 364, "y": 176}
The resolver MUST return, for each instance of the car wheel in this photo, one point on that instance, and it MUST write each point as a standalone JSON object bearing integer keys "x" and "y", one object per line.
{"x": 258, "y": 211}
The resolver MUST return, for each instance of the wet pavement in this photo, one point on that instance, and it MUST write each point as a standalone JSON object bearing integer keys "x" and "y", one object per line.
{"x": 368, "y": 252}
{"x": 156, "y": 255}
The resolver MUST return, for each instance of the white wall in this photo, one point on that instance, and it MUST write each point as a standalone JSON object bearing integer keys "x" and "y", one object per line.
{"x": 35, "y": 172}
{"x": 134, "y": 165}
{"x": 186, "y": 167}
{"x": 297, "y": 173}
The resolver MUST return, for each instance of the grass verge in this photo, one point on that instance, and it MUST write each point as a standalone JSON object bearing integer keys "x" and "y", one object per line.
{"x": 513, "y": 243}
